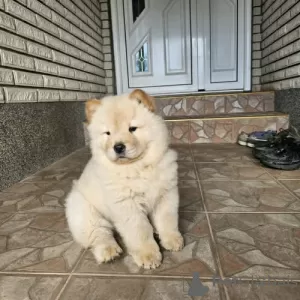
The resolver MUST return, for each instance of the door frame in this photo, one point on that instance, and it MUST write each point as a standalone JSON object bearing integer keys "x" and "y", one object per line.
{"x": 120, "y": 60}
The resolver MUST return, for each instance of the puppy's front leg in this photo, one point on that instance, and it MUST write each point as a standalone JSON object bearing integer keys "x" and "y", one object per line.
{"x": 137, "y": 233}
{"x": 165, "y": 220}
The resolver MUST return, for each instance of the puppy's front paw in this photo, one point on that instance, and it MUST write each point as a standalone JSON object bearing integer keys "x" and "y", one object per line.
{"x": 106, "y": 252}
{"x": 172, "y": 241}
{"x": 149, "y": 257}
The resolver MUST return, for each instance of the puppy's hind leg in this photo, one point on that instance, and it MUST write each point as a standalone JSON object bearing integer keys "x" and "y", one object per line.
{"x": 90, "y": 229}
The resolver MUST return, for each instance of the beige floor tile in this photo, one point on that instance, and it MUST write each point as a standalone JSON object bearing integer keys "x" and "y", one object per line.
{"x": 248, "y": 196}
{"x": 37, "y": 243}
{"x": 258, "y": 244}
{"x": 30, "y": 287}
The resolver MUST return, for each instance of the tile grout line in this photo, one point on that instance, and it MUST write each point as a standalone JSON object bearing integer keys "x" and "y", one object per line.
{"x": 257, "y": 212}
{"x": 63, "y": 287}
{"x": 9, "y": 218}
{"x": 208, "y": 220}
{"x": 246, "y": 163}
{"x": 216, "y": 254}
{"x": 283, "y": 186}
{"x": 189, "y": 135}
{"x": 241, "y": 212}
{"x": 78, "y": 261}
{"x": 217, "y": 259}
{"x": 24, "y": 273}
{"x": 130, "y": 276}
{"x": 233, "y": 130}
{"x": 70, "y": 276}
{"x": 238, "y": 180}
{"x": 140, "y": 276}
{"x": 107, "y": 275}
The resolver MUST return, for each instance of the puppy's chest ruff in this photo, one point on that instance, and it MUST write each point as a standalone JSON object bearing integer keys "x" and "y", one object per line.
{"x": 143, "y": 185}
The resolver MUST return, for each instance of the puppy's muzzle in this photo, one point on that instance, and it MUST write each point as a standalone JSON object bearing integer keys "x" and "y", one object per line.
{"x": 119, "y": 148}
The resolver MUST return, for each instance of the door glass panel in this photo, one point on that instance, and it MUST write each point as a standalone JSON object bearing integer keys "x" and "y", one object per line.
{"x": 137, "y": 8}
{"x": 141, "y": 59}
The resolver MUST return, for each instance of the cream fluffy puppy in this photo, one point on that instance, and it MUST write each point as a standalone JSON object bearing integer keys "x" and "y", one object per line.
{"x": 129, "y": 185}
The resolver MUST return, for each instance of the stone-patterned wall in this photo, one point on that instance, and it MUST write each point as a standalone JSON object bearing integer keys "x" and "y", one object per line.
{"x": 52, "y": 50}
{"x": 280, "y": 44}
{"x": 256, "y": 44}
{"x": 221, "y": 130}
{"x": 204, "y": 105}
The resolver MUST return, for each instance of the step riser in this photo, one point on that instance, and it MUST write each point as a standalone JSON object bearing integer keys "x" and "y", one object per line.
{"x": 215, "y": 130}
{"x": 221, "y": 130}
{"x": 198, "y": 105}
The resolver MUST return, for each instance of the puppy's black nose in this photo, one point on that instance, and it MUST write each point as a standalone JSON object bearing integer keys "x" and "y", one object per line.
{"x": 119, "y": 148}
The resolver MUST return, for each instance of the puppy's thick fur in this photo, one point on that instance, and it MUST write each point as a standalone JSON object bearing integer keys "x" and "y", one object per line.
{"x": 123, "y": 190}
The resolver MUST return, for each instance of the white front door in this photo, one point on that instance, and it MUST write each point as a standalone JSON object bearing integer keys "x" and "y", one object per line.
{"x": 224, "y": 32}
{"x": 158, "y": 42}
{"x": 177, "y": 46}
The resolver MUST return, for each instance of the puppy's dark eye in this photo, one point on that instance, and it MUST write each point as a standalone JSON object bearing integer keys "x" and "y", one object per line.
{"x": 107, "y": 133}
{"x": 132, "y": 129}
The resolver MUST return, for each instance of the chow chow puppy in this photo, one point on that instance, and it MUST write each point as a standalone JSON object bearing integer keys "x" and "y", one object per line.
{"x": 129, "y": 185}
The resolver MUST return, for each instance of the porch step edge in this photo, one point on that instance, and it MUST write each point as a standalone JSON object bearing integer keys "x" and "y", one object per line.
{"x": 210, "y": 94}
{"x": 227, "y": 116}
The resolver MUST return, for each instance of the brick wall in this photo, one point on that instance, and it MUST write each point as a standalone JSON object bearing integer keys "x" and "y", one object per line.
{"x": 280, "y": 44}
{"x": 53, "y": 55}
{"x": 256, "y": 44}
{"x": 107, "y": 47}
{"x": 53, "y": 50}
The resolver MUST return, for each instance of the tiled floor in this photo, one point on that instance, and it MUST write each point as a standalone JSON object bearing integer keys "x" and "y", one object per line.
{"x": 238, "y": 219}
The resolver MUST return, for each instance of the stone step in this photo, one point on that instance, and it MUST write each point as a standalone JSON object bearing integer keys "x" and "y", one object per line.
{"x": 223, "y": 128}
{"x": 211, "y": 104}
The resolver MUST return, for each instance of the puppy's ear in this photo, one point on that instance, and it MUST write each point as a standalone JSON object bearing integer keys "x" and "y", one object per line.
{"x": 90, "y": 108}
{"x": 143, "y": 98}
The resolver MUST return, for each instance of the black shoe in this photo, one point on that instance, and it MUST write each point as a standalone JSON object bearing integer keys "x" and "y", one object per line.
{"x": 276, "y": 139}
{"x": 273, "y": 148}
{"x": 255, "y": 138}
{"x": 285, "y": 159}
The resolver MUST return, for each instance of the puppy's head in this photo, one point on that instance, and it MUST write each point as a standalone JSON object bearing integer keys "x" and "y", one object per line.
{"x": 124, "y": 128}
